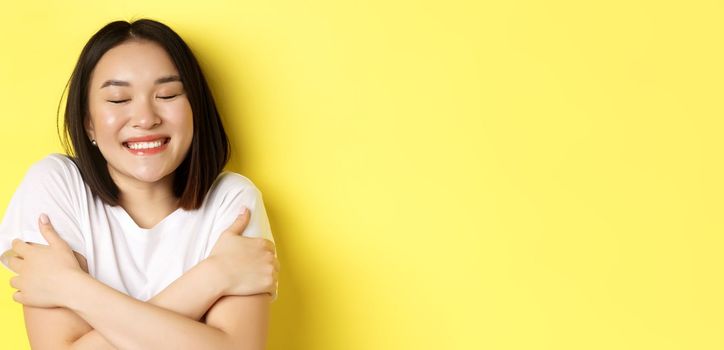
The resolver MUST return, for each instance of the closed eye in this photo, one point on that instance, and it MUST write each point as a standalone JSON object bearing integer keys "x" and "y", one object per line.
{"x": 162, "y": 97}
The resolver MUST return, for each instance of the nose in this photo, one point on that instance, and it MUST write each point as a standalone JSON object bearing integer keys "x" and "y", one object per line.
{"x": 144, "y": 115}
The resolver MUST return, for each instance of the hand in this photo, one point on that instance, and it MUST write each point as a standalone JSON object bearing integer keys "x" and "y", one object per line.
{"x": 43, "y": 270}
{"x": 248, "y": 264}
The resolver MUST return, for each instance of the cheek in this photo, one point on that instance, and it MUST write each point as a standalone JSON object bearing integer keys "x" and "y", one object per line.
{"x": 106, "y": 122}
{"x": 111, "y": 121}
{"x": 181, "y": 117}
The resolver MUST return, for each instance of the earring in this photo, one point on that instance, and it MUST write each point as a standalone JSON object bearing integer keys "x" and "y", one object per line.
{"x": 94, "y": 142}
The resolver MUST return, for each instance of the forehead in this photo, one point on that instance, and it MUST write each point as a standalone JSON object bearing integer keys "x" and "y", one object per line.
{"x": 138, "y": 62}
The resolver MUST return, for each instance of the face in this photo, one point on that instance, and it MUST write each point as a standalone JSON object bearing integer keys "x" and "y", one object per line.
{"x": 140, "y": 115}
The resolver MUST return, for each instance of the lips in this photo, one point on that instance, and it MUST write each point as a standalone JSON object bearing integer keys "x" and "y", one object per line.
{"x": 148, "y": 151}
{"x": 151, "y": 138}
{"x": 146, "y": 138}
{"x": 163, "y": 142}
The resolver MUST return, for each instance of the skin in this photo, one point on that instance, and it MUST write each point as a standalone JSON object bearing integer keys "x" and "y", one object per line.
{"x": 229, "y": 291}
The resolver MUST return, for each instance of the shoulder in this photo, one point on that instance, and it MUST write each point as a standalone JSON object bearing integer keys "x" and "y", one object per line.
{"x": 54, "y": 164}
{"x": 231, "y": 183}
{"x": 55, "y": 172}
{"x": 229, "y": 189}
{"x": 230, "y": 193}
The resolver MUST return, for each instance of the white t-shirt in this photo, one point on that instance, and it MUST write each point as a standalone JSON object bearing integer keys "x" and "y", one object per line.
{"x": 136, "y": 261}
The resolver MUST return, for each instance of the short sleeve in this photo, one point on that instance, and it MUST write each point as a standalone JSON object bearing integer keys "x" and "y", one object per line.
{"x": 50, "y": 187}
{"x": 237, "y": 192}
{"x": 240, "y": 192}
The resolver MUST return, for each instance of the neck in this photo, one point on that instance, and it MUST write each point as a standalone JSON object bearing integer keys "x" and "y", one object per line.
{"x": 135, "y": 194}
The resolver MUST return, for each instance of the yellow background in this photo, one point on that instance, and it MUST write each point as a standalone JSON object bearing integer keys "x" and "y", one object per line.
{"x": 444, "y": 174}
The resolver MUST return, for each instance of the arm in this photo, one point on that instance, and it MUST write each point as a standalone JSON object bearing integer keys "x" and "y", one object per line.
{"x": 234, "y": 321}
{"x": 139, "y": 325}
{"x": 186, "y": 296}
{"x": 191, "y": 296}
{"x": 234, "y": 317}
{"x": 244, "y": 318}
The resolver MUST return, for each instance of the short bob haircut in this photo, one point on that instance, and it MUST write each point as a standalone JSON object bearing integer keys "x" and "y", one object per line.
{"x": 210, "y": 149}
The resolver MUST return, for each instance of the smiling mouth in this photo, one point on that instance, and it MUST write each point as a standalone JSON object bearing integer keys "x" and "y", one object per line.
{"x": 165, "y": 141}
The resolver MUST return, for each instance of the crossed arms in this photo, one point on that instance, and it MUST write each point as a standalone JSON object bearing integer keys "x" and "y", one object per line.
{"x": 170, "y": 320}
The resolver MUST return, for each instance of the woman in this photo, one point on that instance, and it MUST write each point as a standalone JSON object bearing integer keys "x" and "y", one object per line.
{"x": 140, "y": 245}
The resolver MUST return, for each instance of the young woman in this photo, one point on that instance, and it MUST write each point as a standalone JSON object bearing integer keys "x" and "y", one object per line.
{"x": 140, "y": 240}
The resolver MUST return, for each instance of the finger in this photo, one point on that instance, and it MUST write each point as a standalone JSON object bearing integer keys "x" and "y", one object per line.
{"x": 239, "y": 224}
{"x": 4, "y": 258}
{"x": 18, "y": 297}
{"x": 270, "y": 246}
{"x": 277, "y": 266}
{"x": 48, "y": 232}
{"x": 274, "y": 286}
{"x": 7, "y": 254}
{"x": 14, "y": 282}
{"x": 274, "y": 281}
{"x": 15, "y": 264}
{"x": 20, "y": 247}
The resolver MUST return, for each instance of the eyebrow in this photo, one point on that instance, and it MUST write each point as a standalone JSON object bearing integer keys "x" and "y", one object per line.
{"x": 161, "y": 80}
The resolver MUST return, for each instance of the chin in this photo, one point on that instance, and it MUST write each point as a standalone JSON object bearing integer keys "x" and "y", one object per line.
{"x": 149, "y": 179}
{"x": 149, "y": 176}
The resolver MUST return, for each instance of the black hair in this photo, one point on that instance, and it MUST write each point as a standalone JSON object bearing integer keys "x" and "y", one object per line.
{"x": 210, "y": 149}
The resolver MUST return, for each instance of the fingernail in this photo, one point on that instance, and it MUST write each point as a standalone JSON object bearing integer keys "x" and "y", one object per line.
{"x": 44, "y": 219}
{"x": 243, "y": 211}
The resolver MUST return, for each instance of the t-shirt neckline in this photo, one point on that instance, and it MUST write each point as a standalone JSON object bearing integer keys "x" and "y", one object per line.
{"x": 122, "y": 214}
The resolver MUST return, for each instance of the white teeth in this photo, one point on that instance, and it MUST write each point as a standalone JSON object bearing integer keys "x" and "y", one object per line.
{"x": 144, "y": 145}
